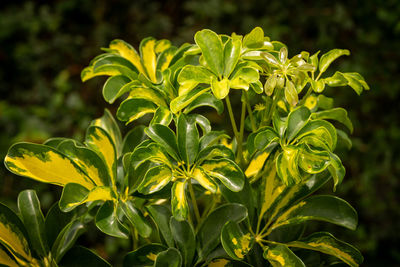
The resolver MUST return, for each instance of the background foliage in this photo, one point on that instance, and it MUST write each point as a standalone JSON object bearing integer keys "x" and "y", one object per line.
{"x": 44, "y": 45}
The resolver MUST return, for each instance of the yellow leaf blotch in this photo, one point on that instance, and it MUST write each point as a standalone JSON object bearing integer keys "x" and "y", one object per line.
{"x": 311, "y": 102}
{"x": 54, "y": 169}
{"x": 17, "y": 243}
{"x": 180, "y": 194}
{"x": 151, "y": 256}
{"x": 334, "y": 251}
{"x": 256, "y": 164}
{"x": 219, "y": 263}
{"x": 168, "y": 59}
{"x": 276, "y": 257}
{"x": 128, "y": 53}
{"x": 149, "y": 58}
{"x": 204, "y": 181}
{"x": 7, "y": 260}
{"x": 103, "y": 144}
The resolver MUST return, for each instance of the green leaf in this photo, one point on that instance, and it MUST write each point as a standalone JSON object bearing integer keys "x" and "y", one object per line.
{"x": 133, "y": 138}
{"x": 108, "y": 123}
{"x": 220, "y": 88}
{"x": 291, "y": 94}
{"x": 269, "y": 58}
{"x": 179, "y": 205}
{"x": 143, "y": 256}
{"x": 270, "y": 85}
{"x": 287, "y": 166}
{"x": 186, "y": 99}
{"x": 135, "y": 217}
{"x": 211, "y": 138}
{"x": 232, "y": 51}
{"x": 320, "y": 129}
{"x": 338, "y": 114}
{"x": 101, "y": 142}
{"x": 161, "y": 216}
{"x": 168, "y": 258}
{"x": 205, "y": 99}
{"x": 107, "y": 221}
{"x": 344, "y": 139}
{"x": 264, "y": 138}
{"x": 67, "y": 238}
{"x": 55, "y": 221}
{"x": 164, "y": 136}
{"x": 112, "y": 87}
{"x": 13, "y": 235}
{"x": 187, "y": 139}
{"x": 254, "y": 39}
{"x": 81, "y": 256}
{"x": 72, "y": 196}
{"x": 162, "y": 116}
{"x": 208, "y": 235}
{"x": 356, "y": 81}
{"x": 337, "y": 170}
{"x": 328, "y": 244}
{"x": 323, "y": 208}
{"x": 227, "y": 171}
{"x": 327, "y": 58}
{"x": 313, "y": 161}
{"x": 204, "y": 180}
{"x": 285, "y": 197}
{"x": 32, "y": 216}
{"x": 215, "y": 151}
{"x": 190, "y": 76}
{"x": 44, "y": 164}
{"x": 88, "y": 161}
{"x": 243, "y": 77}
{"x": 134, "y": 108}
{"x": 280, "y": 256}
{"x": 185, "y": 239}
{"x": 155, "y": 179}
{"x": 212, "y": 50}
{"x": 235, "y": 242}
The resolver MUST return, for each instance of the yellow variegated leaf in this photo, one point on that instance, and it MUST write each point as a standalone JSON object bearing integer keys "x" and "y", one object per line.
{"x": 179, "y": 203}
{"x": 149, "y": 59}
{"x": 155, "y": 179}
{"x": 13, "y": 239}
{"x": 200, "y": 176}
{"x": 148, "y": 94}
{"x": 71, "y": 199}
{"x": 128, "y": 52}
{"x": 101, "y": 142}
{"x": 87, "y": 73}
{"x": 87, "y": 160}
{"x": 45, "y": 164}
{"x": 162, "y": 45}
{"x": 7, "y": 260}
{"x": 311, "y": 102}
{"x": 219, "y": 263}
{"x": 256, "y": 164}
{"x": 270, "y": 190}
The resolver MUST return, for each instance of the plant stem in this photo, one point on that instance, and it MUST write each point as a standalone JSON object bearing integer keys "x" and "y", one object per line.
{"x": 234, "y": 127}
{"x": 194, "y": 202}
{"x": 273, "y": 106}
{"x": 241, "y": 133}
{"x": 249, "y": 111}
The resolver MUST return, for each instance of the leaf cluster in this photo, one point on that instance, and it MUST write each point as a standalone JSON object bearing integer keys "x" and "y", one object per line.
{"x": 185, "y": 194}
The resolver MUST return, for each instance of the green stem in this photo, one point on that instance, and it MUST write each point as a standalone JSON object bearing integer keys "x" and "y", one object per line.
{"x": 273, "y": 106}
{"x": 241, "y": 133}
{"x": 194, "y": 202}
{"x": 234, "y": 127}
{"x": 249, "y": 111}
{"x": 309, "y": 91}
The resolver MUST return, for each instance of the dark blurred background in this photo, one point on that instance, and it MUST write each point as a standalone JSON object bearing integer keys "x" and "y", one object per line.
{"x": 45, "y": 44}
